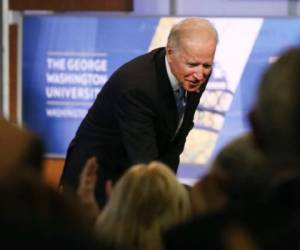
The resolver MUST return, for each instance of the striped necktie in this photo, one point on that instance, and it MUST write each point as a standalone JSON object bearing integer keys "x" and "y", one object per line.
{"x": 180, "y": 101}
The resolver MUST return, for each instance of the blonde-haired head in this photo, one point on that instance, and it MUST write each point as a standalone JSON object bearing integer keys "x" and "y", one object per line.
{"x": 145, "y": 201}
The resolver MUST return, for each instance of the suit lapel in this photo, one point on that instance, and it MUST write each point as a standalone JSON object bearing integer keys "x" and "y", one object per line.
{"x": 167, "y": 100}
{"x": 168, "y": 105}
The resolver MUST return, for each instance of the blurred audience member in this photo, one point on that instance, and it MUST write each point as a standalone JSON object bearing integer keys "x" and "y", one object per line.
{"x": 86, "y": 190}
{"x": 19, "y": 149}
{"x": 148, "y": 199}
{"x": 239, "y": 174}
{"x": 237, "y": 237}
{"x": 275, "y": 117}
{"x": 35, "y": 216}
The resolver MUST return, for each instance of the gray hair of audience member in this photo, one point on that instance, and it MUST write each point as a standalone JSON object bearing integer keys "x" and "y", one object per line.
{"x": 145, "y": 201}
{"x": 244, "y": 165}
{"x": 275, "y": 117}
{"x": 202, "y": 28}
{"x": 238, "y": 174}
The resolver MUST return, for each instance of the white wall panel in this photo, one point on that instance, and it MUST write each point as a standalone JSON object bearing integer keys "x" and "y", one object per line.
{"x": 233, "y": 7}
{"x": 151, "y": 7}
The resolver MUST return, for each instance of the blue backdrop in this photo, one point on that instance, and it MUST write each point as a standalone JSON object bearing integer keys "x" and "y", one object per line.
{"x": 67, "y": 59}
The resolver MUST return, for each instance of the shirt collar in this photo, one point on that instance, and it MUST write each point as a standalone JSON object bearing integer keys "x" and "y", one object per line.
{"x": 172, "y": 78}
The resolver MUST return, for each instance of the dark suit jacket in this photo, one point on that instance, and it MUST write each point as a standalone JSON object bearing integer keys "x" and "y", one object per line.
{"x": 133, "y": 120}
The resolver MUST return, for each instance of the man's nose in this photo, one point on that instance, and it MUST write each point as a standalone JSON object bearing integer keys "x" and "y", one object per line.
{"x": 199, "y": 73}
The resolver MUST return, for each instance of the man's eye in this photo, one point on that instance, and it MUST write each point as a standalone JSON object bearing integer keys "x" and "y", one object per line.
{"x": 207, "y": 66}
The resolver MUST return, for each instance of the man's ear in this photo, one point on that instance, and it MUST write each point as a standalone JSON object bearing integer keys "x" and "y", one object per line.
{"x": 108, "y": 188}
{"x": 169, "y": 51}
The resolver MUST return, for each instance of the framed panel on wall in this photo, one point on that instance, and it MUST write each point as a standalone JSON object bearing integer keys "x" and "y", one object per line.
{"x": 72, "y": 5}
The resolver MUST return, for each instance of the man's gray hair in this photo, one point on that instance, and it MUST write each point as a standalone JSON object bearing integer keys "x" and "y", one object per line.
{"x": 203, "y": 27}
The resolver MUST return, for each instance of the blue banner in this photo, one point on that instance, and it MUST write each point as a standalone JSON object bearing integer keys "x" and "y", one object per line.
{"x": 66, "y": 59}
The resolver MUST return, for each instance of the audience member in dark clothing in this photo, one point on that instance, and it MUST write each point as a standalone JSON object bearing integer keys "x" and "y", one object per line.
{"x": 35, "y": 216}
{"x": 238, "y": 174}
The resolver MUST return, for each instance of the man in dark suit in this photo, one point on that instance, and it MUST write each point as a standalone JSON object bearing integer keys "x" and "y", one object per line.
{"x": 136, "y": 117}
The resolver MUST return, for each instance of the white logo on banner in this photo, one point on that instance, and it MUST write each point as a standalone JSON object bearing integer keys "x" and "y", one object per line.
{"x": 73, "y": 80}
